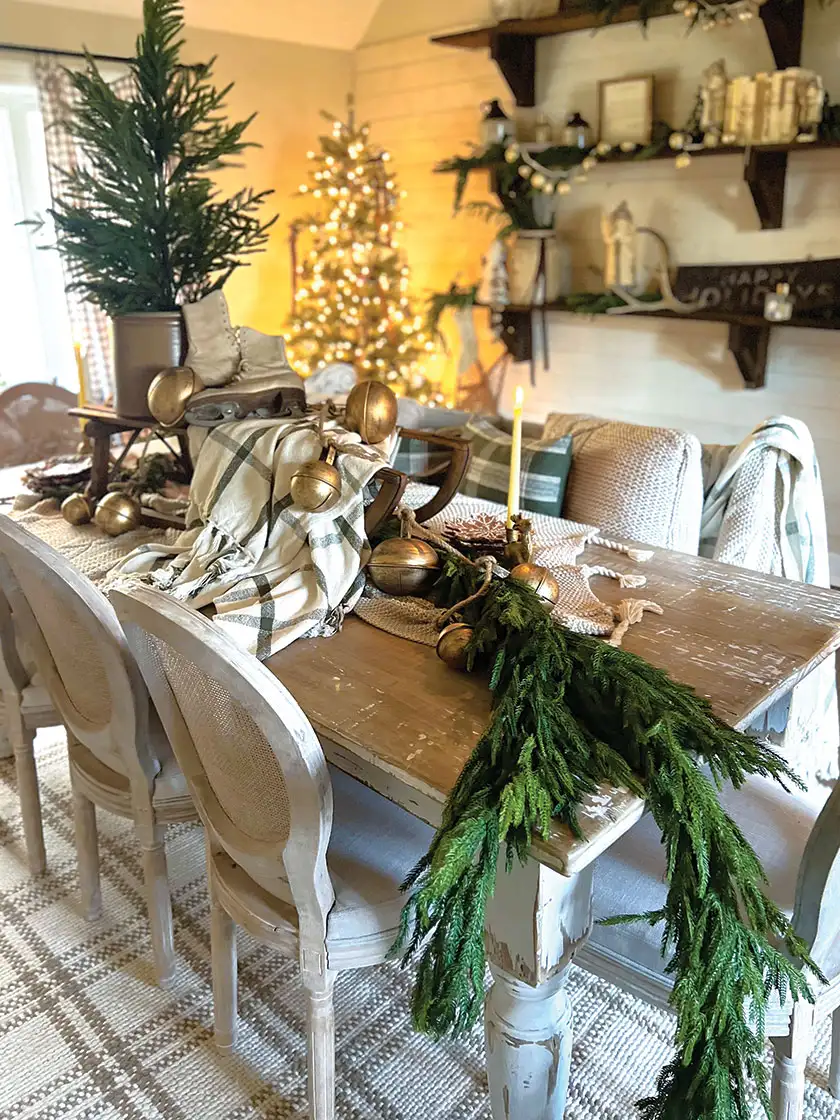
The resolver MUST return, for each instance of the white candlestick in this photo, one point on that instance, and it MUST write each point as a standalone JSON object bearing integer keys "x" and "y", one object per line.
{"x": 515, "y": 457}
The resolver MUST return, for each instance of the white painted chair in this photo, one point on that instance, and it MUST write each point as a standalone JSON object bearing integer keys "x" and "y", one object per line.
{"x": 26, "y": 707}
{"x": 304, "y": 858}
{"x": 120, "y": 759}
{"x": 799, "y": 846}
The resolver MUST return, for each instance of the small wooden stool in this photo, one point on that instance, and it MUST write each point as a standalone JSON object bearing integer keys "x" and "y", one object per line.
{"x": 101, "y": 424}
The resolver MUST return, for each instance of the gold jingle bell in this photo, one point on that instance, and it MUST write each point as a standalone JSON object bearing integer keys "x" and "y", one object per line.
{"x": 539, "y": 579}
{"x": 403, "y": 566}
{"x": 452, "y": 645}
{"x": 371, "y": 410}
{"x": 170, "y": 393}
{"x": 76, "y": 509}
{"x": 316, "y": 486}
{"x": 117, "y": 513}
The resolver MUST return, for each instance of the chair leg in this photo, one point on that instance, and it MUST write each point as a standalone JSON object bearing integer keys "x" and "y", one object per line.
{"x": 6, "y": 748}
{"x": 158, "y": 901}
{"x": 788, "y": 1090}
{"x": 225, "y": 983}
{"x": 22, "y": 740}
{"x": 321, "y": 1054}
{"x": 834, "y": 1070}
{"x": 87, "y": 853}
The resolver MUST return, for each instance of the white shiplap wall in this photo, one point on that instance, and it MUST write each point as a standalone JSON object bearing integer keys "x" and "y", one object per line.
{"x": 423, "y": 102}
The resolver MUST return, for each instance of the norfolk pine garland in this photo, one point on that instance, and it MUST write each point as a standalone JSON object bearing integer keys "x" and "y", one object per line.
{"x": 571, "y": 712}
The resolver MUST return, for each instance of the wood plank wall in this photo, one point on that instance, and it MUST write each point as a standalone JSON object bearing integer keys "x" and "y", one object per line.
{"x": 423, "y": 103}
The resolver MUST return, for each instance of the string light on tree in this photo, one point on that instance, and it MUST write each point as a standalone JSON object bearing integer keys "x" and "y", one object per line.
{"x": 351, "y": 300}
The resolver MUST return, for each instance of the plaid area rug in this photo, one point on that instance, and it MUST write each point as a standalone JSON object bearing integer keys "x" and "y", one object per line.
{"x": 86, "y": 1035}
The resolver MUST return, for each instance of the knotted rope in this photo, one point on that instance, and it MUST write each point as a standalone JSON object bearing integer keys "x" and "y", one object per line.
{"x": 627, "y": 614}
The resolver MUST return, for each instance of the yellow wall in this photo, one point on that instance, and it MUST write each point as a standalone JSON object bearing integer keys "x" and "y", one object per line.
{"x": 285, "y": 83}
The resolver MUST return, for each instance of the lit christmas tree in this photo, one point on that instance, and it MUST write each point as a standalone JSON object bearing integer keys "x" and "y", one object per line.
{"x": 351, "y": 303}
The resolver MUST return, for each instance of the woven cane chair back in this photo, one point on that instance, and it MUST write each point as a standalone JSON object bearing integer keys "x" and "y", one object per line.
{"x": 253, "y": 763}
{"x": 80, "y": 652}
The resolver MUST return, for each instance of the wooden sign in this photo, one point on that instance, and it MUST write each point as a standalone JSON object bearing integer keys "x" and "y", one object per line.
{"x": 739, "y": 289}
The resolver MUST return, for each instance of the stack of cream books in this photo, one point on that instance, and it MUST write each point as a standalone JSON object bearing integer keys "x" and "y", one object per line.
{"x": 774, "y": 108}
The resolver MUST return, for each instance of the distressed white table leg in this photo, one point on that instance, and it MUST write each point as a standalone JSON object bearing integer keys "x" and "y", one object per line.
{"x": 834, "y": 1070}
{"x": 788, "y": 1087}
{"x": 535, "y": 923}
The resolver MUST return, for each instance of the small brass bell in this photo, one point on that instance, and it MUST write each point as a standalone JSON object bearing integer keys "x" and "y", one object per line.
{"x": 170, "y": 393}
{"x": 539, "y": 579}
{"x": 452, "y": 645}
{"x": 316, "y": 486}
{"x": 371, "y": 410}
{"x": 117, "y": 513}
{"x": 76, "y": 509}
{"x": 403, "y": 566}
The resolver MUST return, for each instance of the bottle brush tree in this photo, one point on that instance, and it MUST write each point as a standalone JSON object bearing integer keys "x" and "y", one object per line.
{"x": 142, "y": 226}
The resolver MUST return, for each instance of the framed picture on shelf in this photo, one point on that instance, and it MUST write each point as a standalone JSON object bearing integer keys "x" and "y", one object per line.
{"x": 625, "y": 111}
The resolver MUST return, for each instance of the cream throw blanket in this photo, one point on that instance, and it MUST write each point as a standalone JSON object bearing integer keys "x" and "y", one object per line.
{"x": 273, "y": 573}
{"x": 764, "y": 510}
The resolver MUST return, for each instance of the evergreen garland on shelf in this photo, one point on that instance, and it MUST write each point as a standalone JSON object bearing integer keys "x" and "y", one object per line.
{"x": 571, "y": 712}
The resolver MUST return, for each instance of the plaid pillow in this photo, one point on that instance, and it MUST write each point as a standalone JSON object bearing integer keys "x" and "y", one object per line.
{"x": 416, "y": 457}
{"x": 545, "y": 468}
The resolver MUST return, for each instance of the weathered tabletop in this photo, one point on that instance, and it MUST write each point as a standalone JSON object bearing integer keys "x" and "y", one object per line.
{"x": 394, "y": 715}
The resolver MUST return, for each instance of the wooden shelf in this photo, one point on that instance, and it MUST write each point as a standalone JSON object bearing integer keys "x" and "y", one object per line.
{"x": 512, "y": 43}
{"x": 764, "y": 170}
{"x": 749, "y": 335}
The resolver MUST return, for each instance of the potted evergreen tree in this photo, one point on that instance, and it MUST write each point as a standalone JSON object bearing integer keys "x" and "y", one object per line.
{"x": 142, "y": 227}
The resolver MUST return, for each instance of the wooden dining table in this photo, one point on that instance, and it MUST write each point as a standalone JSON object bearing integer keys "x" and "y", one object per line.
{"x": 391, "y": 714}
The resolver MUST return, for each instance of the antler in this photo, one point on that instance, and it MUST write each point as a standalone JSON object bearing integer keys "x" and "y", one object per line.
{"x": 669, "y": 301}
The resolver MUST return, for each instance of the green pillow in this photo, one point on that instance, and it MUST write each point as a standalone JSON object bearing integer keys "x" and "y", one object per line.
{"x": 545, "y": 468}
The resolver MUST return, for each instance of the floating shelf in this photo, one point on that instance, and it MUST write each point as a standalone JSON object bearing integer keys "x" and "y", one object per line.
{"x": 749, "y": 335}
{"x": 512, "y": 43}
{"x": 765, "y": 169}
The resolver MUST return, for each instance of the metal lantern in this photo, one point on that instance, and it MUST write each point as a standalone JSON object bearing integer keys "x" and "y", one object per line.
{"x": 496, "y": 125}
{"x": 117, "y": 513}
{"x": 577, "y": 133}
{"x": 403, "y": 566}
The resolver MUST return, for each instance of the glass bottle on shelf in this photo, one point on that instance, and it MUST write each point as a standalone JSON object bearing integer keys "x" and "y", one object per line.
{"x": 542, "y": 132}
{"x": 778, "y": 305}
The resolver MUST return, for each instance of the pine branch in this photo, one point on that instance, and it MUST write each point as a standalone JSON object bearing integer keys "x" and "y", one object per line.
{"x": 142, "y": 226}
{"x": 569, "y": 713}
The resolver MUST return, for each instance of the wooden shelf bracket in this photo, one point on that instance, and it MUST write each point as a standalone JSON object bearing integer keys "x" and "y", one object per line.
{"x": 750, "y": 347}
{"x": 765, "y": 173}
{"x": 784, "y": 21}
{"x": 518, "y": 335}
{"x": 516, "y": 57}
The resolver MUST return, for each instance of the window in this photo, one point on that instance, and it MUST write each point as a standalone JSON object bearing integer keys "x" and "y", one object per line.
{"x": 36, "y": 342}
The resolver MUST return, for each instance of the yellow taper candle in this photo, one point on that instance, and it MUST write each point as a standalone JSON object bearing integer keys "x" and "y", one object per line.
{"x": 80, "y": 369}
{"x": 515, "y": 457}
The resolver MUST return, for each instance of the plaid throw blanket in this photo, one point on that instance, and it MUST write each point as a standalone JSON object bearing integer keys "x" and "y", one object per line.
{"x": 273, "y": 573}
{"x": 764, "y": 509}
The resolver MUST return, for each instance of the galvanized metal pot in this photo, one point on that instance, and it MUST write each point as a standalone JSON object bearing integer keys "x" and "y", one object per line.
{"x": 144, "y": 344}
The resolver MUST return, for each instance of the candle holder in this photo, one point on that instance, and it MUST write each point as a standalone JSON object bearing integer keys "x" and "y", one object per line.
{"x": 519, "y": 544}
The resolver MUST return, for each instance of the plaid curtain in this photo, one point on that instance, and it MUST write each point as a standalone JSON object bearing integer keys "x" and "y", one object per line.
{"x": 90, "y": 325}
